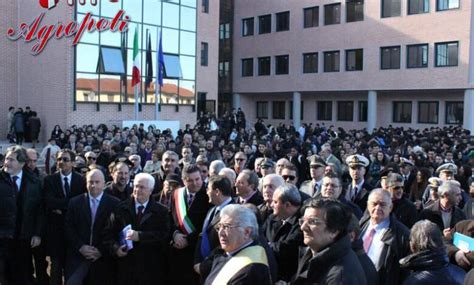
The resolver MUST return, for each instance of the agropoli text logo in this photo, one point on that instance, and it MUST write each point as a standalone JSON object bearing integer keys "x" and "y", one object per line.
{"x": 41, "y": 34}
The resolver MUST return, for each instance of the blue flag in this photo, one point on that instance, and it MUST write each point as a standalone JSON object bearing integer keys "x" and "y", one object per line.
{"x": 160, "y": 62}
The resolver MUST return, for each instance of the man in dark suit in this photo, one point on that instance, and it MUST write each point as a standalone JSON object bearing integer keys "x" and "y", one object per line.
{"x": 408, "y": 171}
{"x": 30, "y": 220}
{"x": 219, "y": 191}
{"x": 358, "y": 191}
{"x": 145, "y": 262}
{"x": 246, "y": 188}
{"x": 119, "y": 187}
{"x": 283, "y": 231}
{"x": 242, "y": 260}
{"x": 189, "y": 206}
{"x": 385, "y": 239}
{"x": 59, "y": 188}
{"x": 403, "y": 209}
{"x": 87, "y": 260}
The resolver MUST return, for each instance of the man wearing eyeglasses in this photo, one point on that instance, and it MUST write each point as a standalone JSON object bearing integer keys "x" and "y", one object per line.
{"x": 332, "y": 188}
{"x": 329, "y": 258}
{"x": 403, "y": 209}
{"x": 240, "y": 162}
{"x": 242, "y": 260}
{"x": 282, "y": 231}
{"x": 59, "y": 188}
{"x": 385, "y": 239}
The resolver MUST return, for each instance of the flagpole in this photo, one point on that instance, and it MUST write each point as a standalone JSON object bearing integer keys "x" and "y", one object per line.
{"x": 158, "y": 70}
{"x": 137, "y": 86}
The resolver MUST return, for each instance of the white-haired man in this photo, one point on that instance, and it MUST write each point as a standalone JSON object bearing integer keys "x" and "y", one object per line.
{"x": 243, "y": 260}
{"x": 150, "y": 227}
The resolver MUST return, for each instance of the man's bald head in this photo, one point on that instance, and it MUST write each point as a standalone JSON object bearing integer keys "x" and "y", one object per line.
{"x": 95, "y": 182}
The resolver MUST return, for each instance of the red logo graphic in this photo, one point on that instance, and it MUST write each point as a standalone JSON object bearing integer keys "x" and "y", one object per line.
{"x": 48, "y": 4}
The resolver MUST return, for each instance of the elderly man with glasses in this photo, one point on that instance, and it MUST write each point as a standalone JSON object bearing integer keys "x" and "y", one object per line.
{"x": 242, "y": 260}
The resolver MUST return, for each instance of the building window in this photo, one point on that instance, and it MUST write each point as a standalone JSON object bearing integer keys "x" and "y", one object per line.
{"x": 324, "y": 111}
{"x": 442, "y": 5}
{"x": 390, "y": 57}
{"x": 391, "y": 8}
{"x": 417, "y": 56}
{"x": 331, "y": 61}
{"x": 363, "y": 107}
{"x": 265, "y": 24}
{"x": 354, "y": 59}
{"x": 204, "y": 53}
{"x": 332, "y": 14}
{"x": 278, "y": 110}
{"x": 247, "y": 27}
{"x": 262, "y": 110}
{"x": 224, "y": 31}
{"x": 264, "y": 66}
{"x": 281, "y": 64}
{"x": 283, "y": 21}
{"x": 418, "y": 6}
{"x": 402, "y": 112}
{"x": 446, "y": 54}
{"x": 310, "y": 62}
{"x": 301, "y": 110}
{"x": 205, "y": 6}
{"x": 454, "y": 112}
{"x": 247, "y": 67}
{"x": 354, "y": 10}
{"x": 345, "y": 111}
{"x": 428, "y": 112}
{"x": 223, "y": 69}
{"x": 311, "y": 17}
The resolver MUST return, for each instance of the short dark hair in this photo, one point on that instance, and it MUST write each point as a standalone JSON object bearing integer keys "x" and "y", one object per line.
{"x": 67, "y": 150}
{"x": 222, "y": 183}
{"x": 338, "y": 215}
{"x": 188, "y": 169}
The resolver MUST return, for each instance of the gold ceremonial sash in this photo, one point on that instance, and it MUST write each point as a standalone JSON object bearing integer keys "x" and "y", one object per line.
{"x": 249, "y": 255}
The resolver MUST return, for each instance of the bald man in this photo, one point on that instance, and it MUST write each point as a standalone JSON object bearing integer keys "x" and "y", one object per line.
{"x": 86, "y": 259}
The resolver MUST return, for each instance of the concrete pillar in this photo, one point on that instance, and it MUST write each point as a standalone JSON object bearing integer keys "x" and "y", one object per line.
{"x": 371, "y": 111}
{"x": 468, "y": 107}
{"x": 236, "y": 101}
{"x": 296, "y": 109}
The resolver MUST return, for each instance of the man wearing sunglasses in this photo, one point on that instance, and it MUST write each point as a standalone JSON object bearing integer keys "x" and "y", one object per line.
{"x": 59, "y": 188}
{"x": 403, "y": 209}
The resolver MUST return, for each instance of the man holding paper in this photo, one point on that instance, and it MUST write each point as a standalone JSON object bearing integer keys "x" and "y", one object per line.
{"x": 144, "y": 263}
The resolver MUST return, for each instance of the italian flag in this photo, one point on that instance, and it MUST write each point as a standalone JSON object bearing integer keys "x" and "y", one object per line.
{"x": 136, "y": 60}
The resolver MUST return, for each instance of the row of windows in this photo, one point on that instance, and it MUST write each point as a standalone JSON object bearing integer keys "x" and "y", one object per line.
{"x": 332, "y": 14}
{"x": 446, "y": 54}
{"x": 428, "y": 112}
{"x": 393, "y": 8}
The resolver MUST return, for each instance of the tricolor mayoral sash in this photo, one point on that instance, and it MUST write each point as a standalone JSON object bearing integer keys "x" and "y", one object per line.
{"x": 184, "y": 222}
{"x": 249, "y": 255}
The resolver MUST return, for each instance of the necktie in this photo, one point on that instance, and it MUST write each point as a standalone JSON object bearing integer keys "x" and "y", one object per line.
{"x": 140, "y": 213}
{"x": 356, "y": 192}
{"x": 14, "y": 179}
{"x": 46, "y": 162}
{"x": 368, "y": 240}
{"x": 66, "y": 187}
{"x": 94, "y": 204}
{"x": 190, "y": 199}
{"x": 205, "y": 244}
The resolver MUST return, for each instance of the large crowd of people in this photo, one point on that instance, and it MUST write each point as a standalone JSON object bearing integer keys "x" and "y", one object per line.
{"x": 219, "y": 203}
